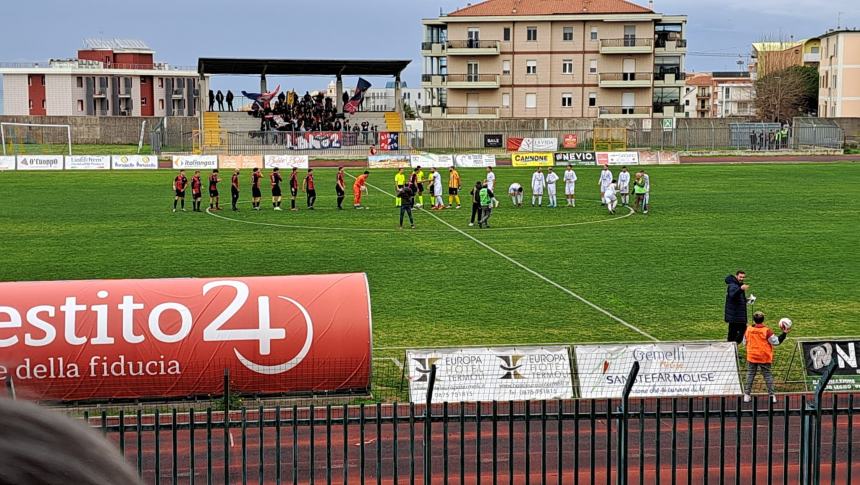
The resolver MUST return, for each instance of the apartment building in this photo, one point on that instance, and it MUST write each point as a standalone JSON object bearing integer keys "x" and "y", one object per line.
{"x": 560, "y": 59}
{"x": 768, "y": 57}
{"x": 719, "y": 95}
{"x": 839, "y": 74}
{"x": 114, "y": 77}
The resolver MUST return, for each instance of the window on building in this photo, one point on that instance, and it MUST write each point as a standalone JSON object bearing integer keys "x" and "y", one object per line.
{"x": 594, "y": 33}
{"x": 686, "y": 102}
{"x": 567, "y": 66}
{"x": 31, "y": 104}
{"x": 506, "y": 100}
{"x": 531, "y": 34}
{"x": 592, "y": 66}
{"x": 531, "y": 67}
{"x": 566, "y": 100}
{"x": 815, "y": 50}
{"x": 143, "y": 101}
{"x": 531, "y": 100}
{"x": 29, "y": 80}
{"x": 42, "y": 79}
{"x": 506, "y": 34}
{"x": 160, "y": 104}
{"x": 161, "y": 82}
{"x": 80, "y": 81}
{"x": 567, "y": 34}
{"x": 728, "y": 92}
{"x": 833, "y": 80}
{"x": 43, "y": 104}
{"x": 506, "y": 67}
{"x": 592, "y": 99}
{"x": 80, "y": 105}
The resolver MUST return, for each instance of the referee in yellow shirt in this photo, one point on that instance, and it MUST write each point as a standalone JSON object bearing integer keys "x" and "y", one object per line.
{"x": 399, "y": 182}
{"x": 453, "y": 187}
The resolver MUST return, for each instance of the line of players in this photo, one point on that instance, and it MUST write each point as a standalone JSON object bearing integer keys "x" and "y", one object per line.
{"x": 610, "y": 188}
{"x": 308, "y": 186}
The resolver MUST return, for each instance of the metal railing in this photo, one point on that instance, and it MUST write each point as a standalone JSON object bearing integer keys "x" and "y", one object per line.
{"x": 472, "y": 110}
{"x": 625, "y": 76}
{"x": 86, "y": 64}
{"x": 472, "y": 44}
{"x": 679, "y": 43}
{"x": 627, "y": 42}
{"x": 626, "y": 110}
{"x": 426, "y": 46}
{"x": 471, "y": 78}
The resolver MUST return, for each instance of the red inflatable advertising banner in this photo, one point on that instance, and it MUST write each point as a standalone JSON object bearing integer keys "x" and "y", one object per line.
{"x": 137, "y": 339}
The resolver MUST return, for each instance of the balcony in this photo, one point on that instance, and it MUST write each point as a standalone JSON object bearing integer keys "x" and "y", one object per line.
{"x": 472, "y": 81}
{"x": 811, "y": 57}
{"x": 178, "y": 93}
{"x": 625, "y": 111}
{"x": 472, "y": 112}
{"x": 625, "y": 79}
{"x": 100, "y": 92}
{"x": 703, "y": 94}
{"x": 667, "y": 109}
{"x": 472, "y": 47}
{"x": 669, "y": 79}
{"x": 432, "y": 49}
{"x": 665, "y": 46}
{"x": 627, "y": 45}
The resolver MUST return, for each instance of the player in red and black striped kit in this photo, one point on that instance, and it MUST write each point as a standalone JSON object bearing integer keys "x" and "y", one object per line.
{"x": 256, "y": 195}
{"x": 234, "y": 189}
{"x": 214, "y": 198}
{"x": 276, "y": 180}
{"x": 180, "y": 182}
{"x": 310, "y": 188}
{"x": 196, "y": 191}
{"x": 340, "y": 188}
{"x": 294, "y": 188}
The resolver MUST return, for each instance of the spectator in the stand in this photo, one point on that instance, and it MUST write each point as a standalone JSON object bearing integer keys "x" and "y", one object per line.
{"x": 211, "y": 100}
{"x": 229, "y": 99}
{"x": 336, "y": 126}
{"x": 365, "y": 130}
{"x": 375, "y": 134}
{"x": 753, "y": 140}
{"x": 220, "y": 98}
{"x": 345, "y": 98}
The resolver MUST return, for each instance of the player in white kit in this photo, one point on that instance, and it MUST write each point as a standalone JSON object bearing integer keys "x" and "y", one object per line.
{"x": 516, "y": 193}
{"x": 551, "y": 179}
{"x": 570, "y": 186}
{"x": 538, "y": 183}
{"x": 436, "y": 183}
{"x": 609, "y": 198}
{"x": 624, "y": 186}
{"x": 647, "y": 181}
{"x": 491, "y": 184}
{"x": 605, "y": 180}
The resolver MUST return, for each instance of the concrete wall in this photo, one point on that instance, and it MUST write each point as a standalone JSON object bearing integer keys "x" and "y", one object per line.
{"x": 120, "y": 130}
{"x": 851, "y": 127}
{"x": 15, "y": 96}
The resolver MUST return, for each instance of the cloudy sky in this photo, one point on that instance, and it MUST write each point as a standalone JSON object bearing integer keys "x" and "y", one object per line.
{"x": 182, "y": 30}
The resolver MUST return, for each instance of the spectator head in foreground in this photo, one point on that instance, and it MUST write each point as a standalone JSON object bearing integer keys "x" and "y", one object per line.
{"x": 38, "y": 446}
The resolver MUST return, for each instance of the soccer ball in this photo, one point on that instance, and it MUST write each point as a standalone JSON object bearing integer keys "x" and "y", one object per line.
{"x": 785, "y": 324}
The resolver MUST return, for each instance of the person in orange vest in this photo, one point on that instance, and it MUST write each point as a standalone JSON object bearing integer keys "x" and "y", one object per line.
{"x": 760, "y": 341}
{"x": 359, "y": 187}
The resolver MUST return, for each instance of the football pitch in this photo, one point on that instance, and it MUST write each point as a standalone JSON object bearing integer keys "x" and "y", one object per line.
{"x": 539, "y": 275}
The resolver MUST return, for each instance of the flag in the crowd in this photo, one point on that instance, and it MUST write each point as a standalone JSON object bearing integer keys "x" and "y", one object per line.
{"x": 357, "y": 97}
{"x": 262, "y": 98}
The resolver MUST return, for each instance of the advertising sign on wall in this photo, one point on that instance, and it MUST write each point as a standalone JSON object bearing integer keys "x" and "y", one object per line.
{"x": 389, "y": 161}
{"x": 130, "y": 339}
{"x": 532, "y": 144}
{"x": 317, "y": 140}
{"x": 491, "y": 374}
{"x": 575, "y": 158}
{"x": 666, "y": 369}
{"x": 570, "y": 140}
{"x": 617, "y": 158}
{"x": 494, "y": 140}
{"x": 7, "y": 162}
{"x": 389, "y": 141}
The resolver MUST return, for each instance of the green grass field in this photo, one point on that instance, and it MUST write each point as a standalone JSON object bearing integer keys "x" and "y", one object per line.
{"x": 793, "y": 228}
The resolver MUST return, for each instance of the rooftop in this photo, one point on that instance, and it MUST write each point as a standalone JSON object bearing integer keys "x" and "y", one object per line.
{"x": 300, "y": 67}
{"x": 116, "y": 44}
{"x": 504, "y": 8}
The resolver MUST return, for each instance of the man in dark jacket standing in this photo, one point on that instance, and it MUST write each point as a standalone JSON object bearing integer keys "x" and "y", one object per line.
{"x": 736, "y": 306}
{"x": 407, "y": 200}
{"x": 229, "y": 99}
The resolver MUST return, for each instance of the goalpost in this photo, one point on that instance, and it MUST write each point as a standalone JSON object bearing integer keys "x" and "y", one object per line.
{"x": 35, "y": 139}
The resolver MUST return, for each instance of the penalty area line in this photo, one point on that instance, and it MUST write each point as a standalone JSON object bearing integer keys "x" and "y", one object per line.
{"x": 534, "y": 273}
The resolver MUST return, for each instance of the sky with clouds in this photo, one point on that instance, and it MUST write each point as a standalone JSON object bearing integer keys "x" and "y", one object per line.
{"x": 183, "y": 30}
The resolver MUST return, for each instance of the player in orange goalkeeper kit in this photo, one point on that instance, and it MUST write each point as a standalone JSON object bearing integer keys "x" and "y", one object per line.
{"x": 358, "y": 187}
{"x": 760, "y": 341}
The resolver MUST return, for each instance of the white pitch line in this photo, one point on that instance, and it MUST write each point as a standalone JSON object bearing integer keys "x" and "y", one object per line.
{"x": 392, "y": 359}
{"x": 530, "y": 271}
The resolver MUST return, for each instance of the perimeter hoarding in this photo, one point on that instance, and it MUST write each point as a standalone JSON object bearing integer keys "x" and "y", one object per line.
{"x": 7, "y": 162}
{"x": 474, "y": 161}
{"x": 134, "y": 162}
{"x": 389, "y": 161}
{"x": 532, "y": 159}
{"x": 300, "y": 162}
{"x": 88, "y": 162}
{"x": 666, "y": 369}
{"x": 195, "y": 162}
{"x": 431, "y": 160}
{"x": 240, "y": 161}
{"x": 162, "y": 338}
{"x": 40, "y": 162}
{"x": 491, "y": 374}
{"x": 819, "y": 354}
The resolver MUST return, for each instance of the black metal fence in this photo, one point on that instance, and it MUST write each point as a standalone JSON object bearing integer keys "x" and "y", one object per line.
{"x": 692, "y": 440}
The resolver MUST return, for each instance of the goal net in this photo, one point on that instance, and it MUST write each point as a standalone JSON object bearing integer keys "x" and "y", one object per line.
{"x": 35, "y": 139}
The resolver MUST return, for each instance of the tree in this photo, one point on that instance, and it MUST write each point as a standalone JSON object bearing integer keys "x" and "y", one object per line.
{"x": 781, "y": 95}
